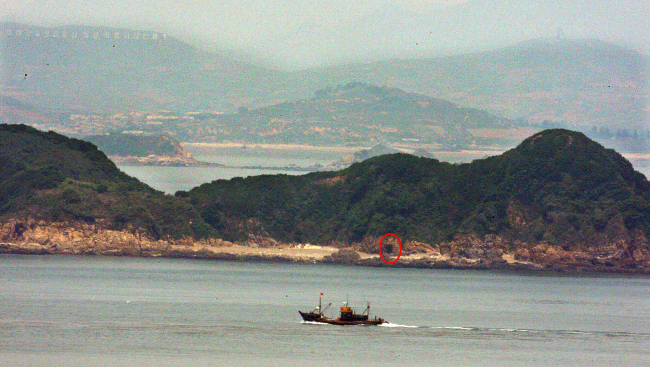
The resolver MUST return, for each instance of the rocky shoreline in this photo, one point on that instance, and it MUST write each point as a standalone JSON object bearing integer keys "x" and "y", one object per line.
{"x": 464, "y": 252}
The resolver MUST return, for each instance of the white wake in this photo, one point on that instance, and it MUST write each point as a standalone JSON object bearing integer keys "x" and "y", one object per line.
{"x": 389, "y": 324}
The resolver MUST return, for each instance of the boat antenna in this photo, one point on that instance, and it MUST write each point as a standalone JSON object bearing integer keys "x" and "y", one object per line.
{"x": 322, "y": 312}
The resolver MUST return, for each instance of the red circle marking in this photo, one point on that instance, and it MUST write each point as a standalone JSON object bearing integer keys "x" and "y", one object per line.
{"x": 400, "y": 248}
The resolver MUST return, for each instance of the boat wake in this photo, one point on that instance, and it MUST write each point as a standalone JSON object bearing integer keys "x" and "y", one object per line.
{"x": 385, "y": 324}
{"x": 479, "y": 332}
{"x": 313, "y": 323}
{"x": 513, "y": 333}
{"x": 389, "y": 324}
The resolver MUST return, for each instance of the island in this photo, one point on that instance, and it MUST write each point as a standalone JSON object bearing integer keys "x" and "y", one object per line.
{"x": 557, "y": 202}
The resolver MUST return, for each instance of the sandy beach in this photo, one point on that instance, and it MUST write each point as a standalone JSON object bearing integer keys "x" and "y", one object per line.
{"x": 300, "y": 252}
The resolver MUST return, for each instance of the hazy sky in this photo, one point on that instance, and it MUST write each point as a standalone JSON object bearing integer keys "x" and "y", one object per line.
{"x": 302, "y": 33}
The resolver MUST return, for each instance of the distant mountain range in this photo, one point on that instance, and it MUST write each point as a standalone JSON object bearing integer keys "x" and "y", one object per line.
{"x": 112, "y": 69}
{"x": 571, "y": 82}
{"x": 581, "y": 82}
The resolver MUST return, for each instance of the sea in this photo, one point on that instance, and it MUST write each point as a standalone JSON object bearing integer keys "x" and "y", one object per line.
{"x": 172, "y": 179}
{"x": 119, "y": 311}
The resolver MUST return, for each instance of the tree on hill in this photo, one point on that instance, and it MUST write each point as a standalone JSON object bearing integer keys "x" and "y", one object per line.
{"x": 557, "y": 186}
{"x": 51, "y": 177}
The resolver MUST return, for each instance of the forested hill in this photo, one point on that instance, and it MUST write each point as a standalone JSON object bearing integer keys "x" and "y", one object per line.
{"x": 556, "y": 187}
{"x": 47, "y": 176}
{"x": 557, "y": 200}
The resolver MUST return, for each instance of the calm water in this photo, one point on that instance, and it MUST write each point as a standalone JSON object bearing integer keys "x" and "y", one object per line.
{"x": 255, "y": 156}
{"x": 172, "y": 179}
{"x": 71, "y": 311}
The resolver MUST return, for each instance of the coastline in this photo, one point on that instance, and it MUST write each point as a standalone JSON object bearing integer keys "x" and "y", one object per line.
{"x": 285, "y": 147}
{"x": 313, "y": 255}
{"x": 171, "y": 161}
{"x": 300, "y": 253}
{"x": 30, "y": 236}
{"x": 641, "y": 161}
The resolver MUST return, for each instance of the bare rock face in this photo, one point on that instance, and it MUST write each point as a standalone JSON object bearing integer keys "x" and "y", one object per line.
{"x": 490, "y": 247}
{"x": 522, "y": 254}
{"x": 343, "y": 256}
{"x": 628, "y": 253}
{"x": 30, "y": 236}
{"x": 370, "y": 245}
{"x": 415, "y": 247}
{"x": 262, "y": 241}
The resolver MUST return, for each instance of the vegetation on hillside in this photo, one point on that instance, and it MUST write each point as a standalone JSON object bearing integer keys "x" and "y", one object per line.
{"x": 577, "y": 82}
{"x": 556, "y": 186}
{"x": 357, "y": 112}
{"x": 54, "y": 178}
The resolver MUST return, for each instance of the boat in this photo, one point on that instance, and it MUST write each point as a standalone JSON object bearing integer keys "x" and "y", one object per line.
{"x": 348, "y": 317}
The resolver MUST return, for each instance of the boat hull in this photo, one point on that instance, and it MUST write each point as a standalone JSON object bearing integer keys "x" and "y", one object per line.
{"x": 311, "y": 316}
{"x": 314, "y": 317}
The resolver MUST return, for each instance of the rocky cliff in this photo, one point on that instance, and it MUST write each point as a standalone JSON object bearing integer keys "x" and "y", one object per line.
{"x": 30, "y": 236}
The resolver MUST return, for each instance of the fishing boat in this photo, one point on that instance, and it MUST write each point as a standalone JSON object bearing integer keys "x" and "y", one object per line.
{"x": 348, "y": 316}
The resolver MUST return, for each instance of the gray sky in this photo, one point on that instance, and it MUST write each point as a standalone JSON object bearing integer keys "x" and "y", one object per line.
{"x": 303, "y": 33}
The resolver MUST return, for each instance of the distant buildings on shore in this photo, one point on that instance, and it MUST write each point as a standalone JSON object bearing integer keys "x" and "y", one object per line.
{"x": 87, "y": 33}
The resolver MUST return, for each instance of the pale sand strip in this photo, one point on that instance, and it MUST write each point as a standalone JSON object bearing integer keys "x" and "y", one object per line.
{"x": 302, "y": 252}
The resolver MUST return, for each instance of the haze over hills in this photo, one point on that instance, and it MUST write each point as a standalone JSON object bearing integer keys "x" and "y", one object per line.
{"x": 112, "y": 69}
{"x": 571, "y": 82}
{"x": 575, "y": 82}
{"x": 353, "y": 113}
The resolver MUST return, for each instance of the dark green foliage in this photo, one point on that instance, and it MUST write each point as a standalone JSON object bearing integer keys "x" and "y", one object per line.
{"x": 557, "y": 186}
{"x": 27, "y": 149}
{"x": 51, "y": 177}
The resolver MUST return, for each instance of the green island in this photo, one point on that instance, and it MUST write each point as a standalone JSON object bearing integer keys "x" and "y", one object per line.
{"x": 558, "y": 201}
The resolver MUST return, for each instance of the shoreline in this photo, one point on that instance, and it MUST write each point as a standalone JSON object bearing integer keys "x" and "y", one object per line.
{"x": 30, "y": 236}
{"x": 164, "y": 161}
{"x": 311, "y": 254}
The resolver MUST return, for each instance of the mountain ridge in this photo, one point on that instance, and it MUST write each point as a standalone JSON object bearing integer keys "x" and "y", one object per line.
{"x": 574, "y": 82}
{"x": 558, "y": 189}
{"x": 136, "y": 70}
{"x": 580, "y": 82}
